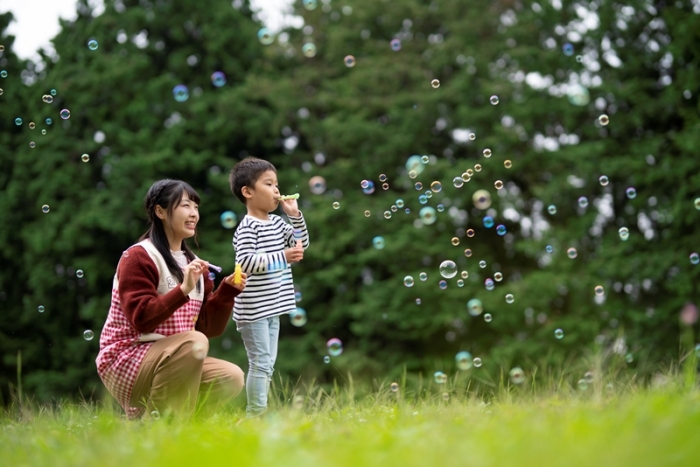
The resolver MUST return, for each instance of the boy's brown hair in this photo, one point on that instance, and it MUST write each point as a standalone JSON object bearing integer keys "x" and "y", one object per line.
{"x": 246, "y": 173}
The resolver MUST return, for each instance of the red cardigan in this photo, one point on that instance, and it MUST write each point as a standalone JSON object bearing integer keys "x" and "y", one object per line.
{"x": 146, "y": 309}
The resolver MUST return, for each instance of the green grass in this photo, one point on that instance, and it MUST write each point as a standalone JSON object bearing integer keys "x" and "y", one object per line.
{"x": 626, "y": 424}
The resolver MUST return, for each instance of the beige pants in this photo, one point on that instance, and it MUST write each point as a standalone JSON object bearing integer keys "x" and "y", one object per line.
{"x": 175, "y": 374}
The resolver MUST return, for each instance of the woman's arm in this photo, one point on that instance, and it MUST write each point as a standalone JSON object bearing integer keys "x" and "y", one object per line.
{"x": 217, "y": 308}
{"x": 138, "y": 292}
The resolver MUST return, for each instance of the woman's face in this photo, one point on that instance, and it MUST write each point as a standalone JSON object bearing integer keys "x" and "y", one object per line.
{"x": 182, "y": 222}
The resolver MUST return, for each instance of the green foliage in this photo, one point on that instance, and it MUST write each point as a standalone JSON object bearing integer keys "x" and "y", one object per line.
{"x": 351, "y": 124}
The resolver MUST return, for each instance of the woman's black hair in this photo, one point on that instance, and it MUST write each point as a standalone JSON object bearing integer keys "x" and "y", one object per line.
{"x": 167, "y": 194}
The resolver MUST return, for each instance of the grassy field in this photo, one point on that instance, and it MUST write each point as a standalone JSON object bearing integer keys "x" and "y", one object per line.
{"x": 602, "y": 425}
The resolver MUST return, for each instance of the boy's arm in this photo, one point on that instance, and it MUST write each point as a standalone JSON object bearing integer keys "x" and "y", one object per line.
{"x": 245, "y": 244}
{"x": 297, "y": 231}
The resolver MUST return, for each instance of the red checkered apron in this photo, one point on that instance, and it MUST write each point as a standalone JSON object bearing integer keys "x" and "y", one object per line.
{"x": 121, "y": 352}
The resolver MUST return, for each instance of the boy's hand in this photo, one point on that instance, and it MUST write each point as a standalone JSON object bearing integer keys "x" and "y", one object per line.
{"x": 290, "y": 207}
{"x": 296, "y": 254}
{"x": 230, "y": 280}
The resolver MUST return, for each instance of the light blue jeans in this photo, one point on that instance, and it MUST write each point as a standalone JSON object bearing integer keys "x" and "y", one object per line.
{"x": 260, "y": 340}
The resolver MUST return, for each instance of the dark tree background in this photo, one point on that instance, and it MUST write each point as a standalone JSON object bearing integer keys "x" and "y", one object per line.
{"x": 315, "y": 116}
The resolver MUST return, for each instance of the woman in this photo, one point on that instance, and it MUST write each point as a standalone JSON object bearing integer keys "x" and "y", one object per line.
{"x": 153, "y": 346}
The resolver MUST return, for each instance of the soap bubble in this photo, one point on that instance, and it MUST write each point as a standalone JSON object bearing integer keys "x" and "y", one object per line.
{"x": 475, "y": 307}
{"x": 631, "y": 193}
{"x": 32, "y": 144}
{"x": 460, "y": 283}
{"x": 18, "y": 121}
{"x": 435, "y": 83}
{"x": 477, "y": 362}
{"x": 310, "y": 4}
{"x": 335, "y": 347}
{"x": 395, "y": 45}
{"x": 317, "y": 184}
{"x": 468, "y": 253}
{"x": 481, "y": 199}
{"x": 336, "y": 205}
{"x": 487, "y": 317}
{"x": 488, "y": 222}
{"x": 423, "y": 276}
{"x": 228, "y": 219}
{"x": 309, "y": 50}
{"x": 427, "y": 215}
{"x": 549, "y": 248}
{"x": 599, "y": 290}
{"x": 92, "y": 44}
{"x": 552, "y": 209}
{"x": 218, "y": 79}
{"x": 85, "y": 158}
{"x": 572, "y": 253}
{"x": 498, "y": 276}
{"x": 378, "y": 242}
{"x": 155, "y": 415}
{"x": 418, "y": 186}
{"x": 624, "y": 233}
{"x": 417, "y": 301}
{"x": 408, "y": 281}
{"x": 494, "y": 100}
{"x": 568, "y": 49}
{"x": 45, "y": 209}
{"x": 472, "y": 136}
{"x": 53, "y": 92}
{"x": 464, "y": 274}
{"x": 436, "y": 186}
{"x": 507, "y": 164}
{"x": 578, "y": 95}
{"x": 501, "y": 230}
{"x": 88, "y": 335}
{"x": 382, "y": 178}
{"x": 448, "y": 269}
{"x": 694, "y": 258}
{"x": 49, "y": 121}
{"x": 629, "y": 358}
{"x": 517, "y": 376}
{"x": 369, "y": 189}
{"x": 40, "y": 308}
{"x": 464, "y": 360}
{"x": 79, "y": 273}
{"x": 43, "y": 131}
{"x": 583, "y": 202}
{"x": 440, "y": 377}
{"x": 394, "y": 387}
{"x": 455, "y": 241}
{"x": 498, "y": 184}
{"x": 298, "y": 317}
{"x": 604, "y": 180}
{"x": 31, "y": 125}
{"x": 509, "y": 298}
{"x": 603, "y": 119}
{"x": 349, "y": 61}
{"x": 582, "y": 385}
{"x": 477, "y": 167}
{"x": 181, "y": 93}
{"x": 367, "y": 213}
{"x": 3, "y": 74}
{"x": 326, "y": 359}
{"x": 559, "y": 333}
{"x": 442, "y": 284}
{"x": 458, "y": 182}
{"x": 489, "y": 284}
{"x": 697, "y": 204}
{"x": 265, "y": 36}
{"x": 387, "y": 214}
{"x": 470, "y": 233}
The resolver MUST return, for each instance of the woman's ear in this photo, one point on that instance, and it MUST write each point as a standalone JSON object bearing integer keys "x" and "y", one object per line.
{"x": 160, "y": 212}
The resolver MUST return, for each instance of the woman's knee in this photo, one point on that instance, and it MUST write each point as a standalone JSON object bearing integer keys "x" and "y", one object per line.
{"x": 228, "y": 378}
{"x": 197, "y": 343}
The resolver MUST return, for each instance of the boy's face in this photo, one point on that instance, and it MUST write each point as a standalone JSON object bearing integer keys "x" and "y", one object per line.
{"x": 264, "y": 195}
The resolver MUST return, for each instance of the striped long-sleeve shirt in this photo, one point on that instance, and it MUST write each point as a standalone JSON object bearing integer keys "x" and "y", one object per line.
{"x": 259, "y": 247}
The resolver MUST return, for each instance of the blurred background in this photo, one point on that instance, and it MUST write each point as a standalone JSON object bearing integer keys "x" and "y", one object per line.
{"x": 540, "y": 158}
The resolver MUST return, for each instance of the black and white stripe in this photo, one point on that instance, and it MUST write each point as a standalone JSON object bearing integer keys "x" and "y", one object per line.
{"x": 259, "y": 247}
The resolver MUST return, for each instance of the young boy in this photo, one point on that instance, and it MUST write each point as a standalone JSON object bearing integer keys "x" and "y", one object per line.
{"x": 265, "y": 247}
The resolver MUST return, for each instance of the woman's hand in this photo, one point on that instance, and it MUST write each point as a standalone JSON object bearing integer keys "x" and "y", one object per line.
{"x": 241, "y": 286}
{"x": 193, "y": 272}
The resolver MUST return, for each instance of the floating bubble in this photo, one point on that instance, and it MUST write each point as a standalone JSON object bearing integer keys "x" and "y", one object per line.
{"x": 218, "y": 79}
{"x": 297, "y": 296}
{"x": 475, "y": 307}
{"x": 498, "y": 276}
{"x": 549, "y": 248}
{"x": 472, "y": 136}
{"x": 382, "y": 178}
{"x": 436, "y": 186}
{"x": 464, "y": 274}
{"x": 624, "y": 233}
{"x": 694, "y": 258}
{"x": 309, "y": 50}
{"x": 364, "y": 184}
{"x": 697, "y": 204}
{"x": 469, "y": 173}
{"x": 477, "y": 362}
{"x": 85, "y": 158}
{"x": 572, "y": 253}
{"x": 369, "y": 189}
{"x": 629, "y": 358}
{"x": 631, "y": 193}
{"x": 599, "y": 290}
{"x": 1, "y": 91}
{"x": 336, "y": 205}
{"x": 155, "y": 415}
{"x": 489, "y": 284}
{"x": 418, "y": 301}
{"x": 477, "y": 167}
{"x": 31, "y": 125}
{"x": 481, "y": 199}
{"x": 487, "y": 153}
{"x": 387, "y": 214}
{"x": 494, "y": 100}
{"x": 408, "y": 281}
{"x": 79, "y": 273}
{"x": 425, "y": 159}
{"x": 394, "y": 387}
{"x": 509, "y": 298}
{"x": 298, "y": 317}
{"x": 326, "y": 359}
{"x": 463, "y": 360}
{"x": 498, "y": 184}
{"x": 559, "y": 333}
{"x": 578, "y": 95}
{"x": 335, "y": 347}
{"x": 3, "y": 74}
{"x": 395, "y": 45}
{"x": 40, "y": 309}
{"x": 440, "y": 377}
{"x": 488, "y": 222}
{"x": 470, "y": 233}
{"x": 53, "y": 92}
{"x": 517, "y": 376}
{"x": 212, "y": 276}
{"x": 92, "y": 44}
{"x": 181, "y": 93}
{"x": 49, "y": 121}
{"x": 418, "y": 186}
{"x": 228, "y": 219}
{"x": 310, "y": 4}
{"x": 435, "y": 83}
{"x": 367, "y": 213}
{"x": 43, "y": 131}
{"x": 427, "y": 215}
{"x": 583, "y": 202}
{"x": 582, "y": 385}
{"x": 460, "y": 283}
{"x": 265, "y": 36}
{"x": 603, "y": 179}
{"x": 414, "y": 166}
{"x": 88, "y": 335}
{"x": 32, "y": 144}
{"x": 468, "y": 253}
{"x": 507, "y": 164}
{"x": 501, "y": 230}
{"x": 568, "y": 49}
{"x": 458, "y": 182}
{"x": 448, "y": 269}
{"x": 349, "y": 61}
{"x": 45, "y": 208}
{"x": 603, "y": 119}
{"x": 18, "y": 121}
{"x": 487, "y": 317}
{"x": 443, "y": 284}
{"x": 378, "y": 242}
{"x": 455, "y": 241}
{"x": 423, "y": 276}
{"x": 422, "y": 199}
{"x": 317, "y": 185}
